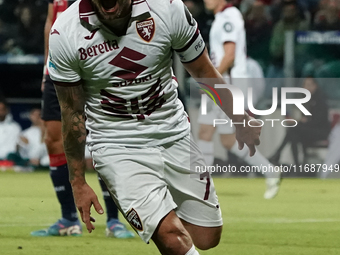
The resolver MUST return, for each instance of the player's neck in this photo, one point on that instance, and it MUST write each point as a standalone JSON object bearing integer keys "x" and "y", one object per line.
{"x": 222, "y": 6}
{"x": 118, "y": 26}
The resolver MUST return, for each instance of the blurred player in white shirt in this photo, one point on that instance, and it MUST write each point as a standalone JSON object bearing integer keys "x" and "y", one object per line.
{"x": 31, "y": 142}
{"x": 9, "y": 131}
{"x": 228, "y": 54}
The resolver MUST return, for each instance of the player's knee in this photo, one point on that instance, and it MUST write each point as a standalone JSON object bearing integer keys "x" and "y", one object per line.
{"x": 227, "y": 144}
{"x": 209, "y": 241}
{"x": 228, "y": 141}
{"x": 173, "y": 241}
{"x": 52, "y": 141}
{"x": 206, "y": 134}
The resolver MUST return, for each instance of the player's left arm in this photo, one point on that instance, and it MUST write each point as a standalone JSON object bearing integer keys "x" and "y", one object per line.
{"x": 203, "y": 68}
{"x": 71, "y": 99}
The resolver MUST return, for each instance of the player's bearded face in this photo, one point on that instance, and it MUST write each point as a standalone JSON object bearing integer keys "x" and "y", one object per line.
{"x": 112, "y": 9}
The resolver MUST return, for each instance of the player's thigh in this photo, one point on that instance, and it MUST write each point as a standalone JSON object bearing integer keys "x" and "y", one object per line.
{"x": 228, "y": 140}
{"x": 135, "y": 179}
{"x": 206, "y": 132}
{"x": 192, "y": 187}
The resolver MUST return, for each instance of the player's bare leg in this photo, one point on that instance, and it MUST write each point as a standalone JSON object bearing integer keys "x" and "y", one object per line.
{"x": 171, "y": 237}
{"x": 53, "y": 139}
{"x": 203, "y": 238}
{"x": 273, "y": 179}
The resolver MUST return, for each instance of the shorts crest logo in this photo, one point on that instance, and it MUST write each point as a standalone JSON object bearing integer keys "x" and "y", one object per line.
{"x": 133, "y": 218}
{"x": 146, "y": 29}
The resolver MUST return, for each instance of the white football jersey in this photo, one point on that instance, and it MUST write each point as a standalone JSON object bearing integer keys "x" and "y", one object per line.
{"x": 228, "y": 26}
{"x": 131, "y": 91}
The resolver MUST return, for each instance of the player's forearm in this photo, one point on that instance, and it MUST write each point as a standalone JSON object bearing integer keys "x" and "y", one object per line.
{"x": 202, "y": 68}
{"x": 47, "y": 29}
{"x": 73, "y": 131}
{"x": 226, "y": 64}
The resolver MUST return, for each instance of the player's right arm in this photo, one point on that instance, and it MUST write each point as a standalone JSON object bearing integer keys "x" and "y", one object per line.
{"x": 71, "y": 100}
{"x": 63, "y": 68}
{"x": 47, "y": 29}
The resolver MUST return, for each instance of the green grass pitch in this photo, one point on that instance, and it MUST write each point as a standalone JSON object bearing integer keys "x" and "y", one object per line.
{"x": 304, "y": 219}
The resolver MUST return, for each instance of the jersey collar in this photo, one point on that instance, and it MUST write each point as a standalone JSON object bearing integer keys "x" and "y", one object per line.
{"x": 226, "y": 6}
{"x": 89, "y": 19}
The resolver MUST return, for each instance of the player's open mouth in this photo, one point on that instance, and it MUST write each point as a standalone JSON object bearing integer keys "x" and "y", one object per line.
{"x": 109, "y": 6}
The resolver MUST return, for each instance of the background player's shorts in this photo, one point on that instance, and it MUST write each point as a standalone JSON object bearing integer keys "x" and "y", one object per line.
{"x": 50, "y": 105}
{"x": 215, "y": 112}
{"x": 147, "y": 183}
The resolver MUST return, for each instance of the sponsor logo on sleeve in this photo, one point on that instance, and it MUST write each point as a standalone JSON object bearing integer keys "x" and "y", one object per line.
{"x": 199, "y": 45}
{"x": 55, "y": 31}
{"x": 228, "y": 27}
{"x": 50, "y": 62}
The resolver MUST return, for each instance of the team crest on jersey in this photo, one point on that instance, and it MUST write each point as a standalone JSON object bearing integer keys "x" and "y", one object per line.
{"x": 146, "y": 29}
{"x": 134, "y": 220}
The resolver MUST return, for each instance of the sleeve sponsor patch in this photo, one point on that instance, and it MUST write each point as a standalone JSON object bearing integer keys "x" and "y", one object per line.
{"x": 228, "y": 27}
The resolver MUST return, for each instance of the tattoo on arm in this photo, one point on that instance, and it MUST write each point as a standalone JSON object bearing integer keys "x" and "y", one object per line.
{"x": 71, "y": 100}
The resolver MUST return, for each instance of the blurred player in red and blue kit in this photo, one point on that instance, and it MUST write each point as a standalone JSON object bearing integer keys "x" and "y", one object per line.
{"x": 69, "y": 223}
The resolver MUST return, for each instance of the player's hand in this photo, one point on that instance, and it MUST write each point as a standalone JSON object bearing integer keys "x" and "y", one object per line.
{"x": 84, "y": 197}
{"x": 248, "y": 135}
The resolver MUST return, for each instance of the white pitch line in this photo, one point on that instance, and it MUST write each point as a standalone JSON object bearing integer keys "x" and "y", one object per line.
{"x": 278, "y": 220}
{"x": 32, "y": 225}
{"x": 226, "y": 220}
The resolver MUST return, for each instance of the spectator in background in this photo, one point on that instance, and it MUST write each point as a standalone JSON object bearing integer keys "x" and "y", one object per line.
{"x": 258, "y": 83}
{"x": 310, "y": 128}
{"x": 27, "y": 38}
{"x": 258, "y": 30}
{"x": 9, "y": 131}
{"x": 327, "y": 18}
{"x": 31, "y": 142}
{"x": 291, "y": 20}
{"x": 7, "y": 13}
{"x": 333, "y": 154}
{"x": 19, "y": 22}
{"x": 323, "y": 59}
{"x": 203, "y": 18}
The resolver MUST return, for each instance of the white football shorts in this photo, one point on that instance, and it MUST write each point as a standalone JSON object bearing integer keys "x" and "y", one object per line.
{"x": 148, "y": 182}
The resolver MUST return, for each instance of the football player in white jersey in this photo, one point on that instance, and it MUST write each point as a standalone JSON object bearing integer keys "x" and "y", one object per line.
{"x": 114, "y": 58}
{"x": 227, "y": 40}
